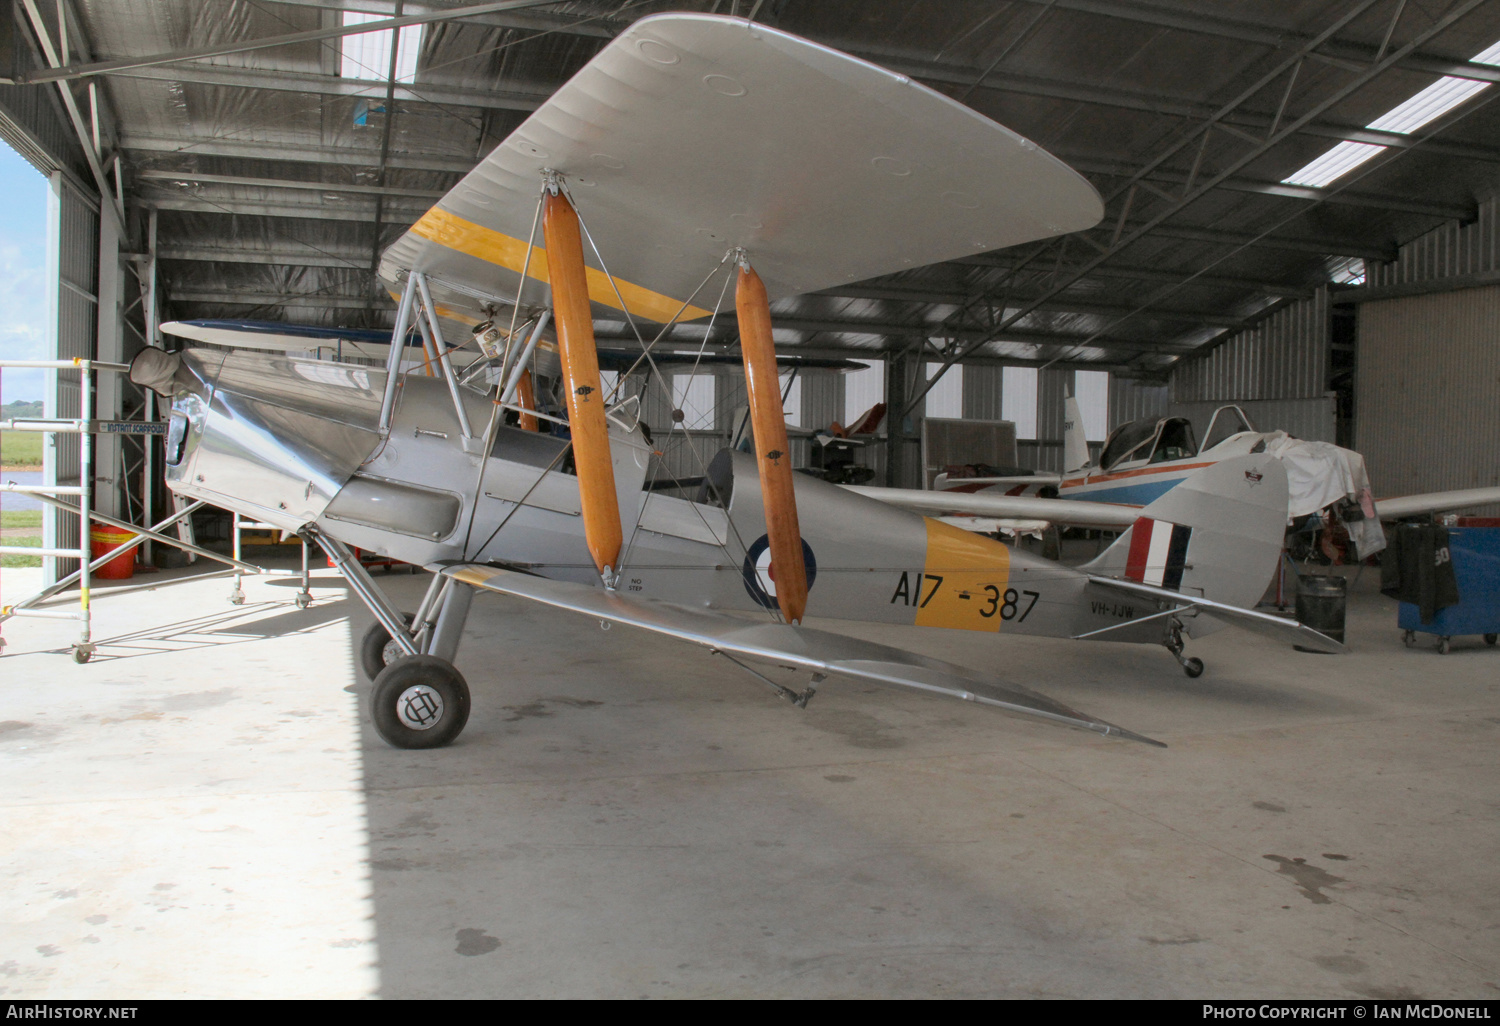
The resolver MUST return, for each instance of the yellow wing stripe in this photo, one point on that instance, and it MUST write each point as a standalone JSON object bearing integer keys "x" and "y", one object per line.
{"x": 973, "y": 572}
{"x": 506, "y": 251}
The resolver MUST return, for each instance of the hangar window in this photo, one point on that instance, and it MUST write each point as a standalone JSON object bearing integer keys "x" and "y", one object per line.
{"x": 791, "y": 401}
{"x": 946, "y": 398}
{"x": 1422, "y": 109}
{"x": 1091, "y": 388}
{"x": 693, "y": 394}
{"x": 368, "y": 54}
{"x": 1018, "y": 399}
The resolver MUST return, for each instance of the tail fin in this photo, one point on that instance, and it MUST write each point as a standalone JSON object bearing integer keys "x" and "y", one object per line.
{"x": 1217, "y": 535}
{"x": 1075, "y": 445}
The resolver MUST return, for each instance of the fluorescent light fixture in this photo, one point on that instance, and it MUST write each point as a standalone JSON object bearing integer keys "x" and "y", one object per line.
{"x": 368, "y": 55}
{"x": 1422, "y": 109}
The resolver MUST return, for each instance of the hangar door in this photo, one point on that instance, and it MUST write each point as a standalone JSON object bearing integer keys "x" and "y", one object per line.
{"x": 1426, "y": 415}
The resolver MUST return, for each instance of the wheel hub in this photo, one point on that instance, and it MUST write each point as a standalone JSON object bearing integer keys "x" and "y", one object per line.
{"x": 419, "y": 707}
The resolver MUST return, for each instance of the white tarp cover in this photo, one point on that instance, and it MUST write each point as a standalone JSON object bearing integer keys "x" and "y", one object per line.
{"x": 1319, "y": 475}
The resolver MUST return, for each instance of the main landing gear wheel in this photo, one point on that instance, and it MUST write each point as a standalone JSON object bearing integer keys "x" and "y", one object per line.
{"x": 1490, "y": 639}
{"x": 1444, "y": 645}
{"x": 377, "y": 650}
{"x": 1192, "y": 666}
{"x": 420, "y": 702}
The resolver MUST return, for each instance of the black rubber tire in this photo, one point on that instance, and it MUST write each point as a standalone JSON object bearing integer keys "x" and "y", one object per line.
{"x": 1193, "y": 667}
{"x": 1490, "y": 639}
{"x": 414, "y": 671}
{"x": 372, "y": 647}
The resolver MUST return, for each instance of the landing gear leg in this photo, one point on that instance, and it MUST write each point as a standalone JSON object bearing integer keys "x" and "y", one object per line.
{"x": 237, "y": 596}
{"x": 419, "y": 699}
{"x": 1191, "y": 666}
{"x": 304, "y": 597}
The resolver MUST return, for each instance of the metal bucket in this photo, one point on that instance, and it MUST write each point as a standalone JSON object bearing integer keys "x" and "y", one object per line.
{"x": 1321, "y": 602}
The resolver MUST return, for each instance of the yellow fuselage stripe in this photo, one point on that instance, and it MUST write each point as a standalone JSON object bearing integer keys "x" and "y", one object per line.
{"x": 509, "y": 252}
{"x": 964, "y": 581}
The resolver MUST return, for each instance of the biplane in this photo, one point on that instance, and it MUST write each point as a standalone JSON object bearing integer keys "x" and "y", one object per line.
{"x": 693, "y": 154}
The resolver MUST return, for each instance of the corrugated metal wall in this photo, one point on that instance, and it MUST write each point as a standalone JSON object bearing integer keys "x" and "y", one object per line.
{"x": 32, "y": 119}
{"x": 1285, "y": 356}
{"x": 1427, "y": 380}
{"x": 982, "y": 390}
{"x": 1428, "y": 391}
{"x": 1445, "y": 252}
{"x": 1135, "y": 400}
{"x": 73, "y": 260}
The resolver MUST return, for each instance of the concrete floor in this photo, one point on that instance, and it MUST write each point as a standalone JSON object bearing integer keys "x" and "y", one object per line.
{"x": 204, "y": 811}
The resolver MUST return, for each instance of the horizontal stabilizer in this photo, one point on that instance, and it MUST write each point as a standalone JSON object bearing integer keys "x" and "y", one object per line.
{"x": 812, "y": 650}
{"x": 1262, "y": 623}
{"x": 993, "y": 504}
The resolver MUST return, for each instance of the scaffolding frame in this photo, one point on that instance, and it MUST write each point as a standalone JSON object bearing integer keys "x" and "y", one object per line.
{"x": 85, "y": 427}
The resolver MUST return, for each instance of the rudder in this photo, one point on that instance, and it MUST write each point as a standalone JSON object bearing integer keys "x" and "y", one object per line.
{"x": 1218, "y": 534}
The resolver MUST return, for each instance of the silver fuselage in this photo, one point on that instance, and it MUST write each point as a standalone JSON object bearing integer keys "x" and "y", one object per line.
{"x": 295, "y": 442}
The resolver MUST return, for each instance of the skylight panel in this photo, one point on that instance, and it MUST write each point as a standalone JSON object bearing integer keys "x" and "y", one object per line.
{"x": 1348, "y": 271}
{"x": 1336, "y": 163}
{"x": 1422, "y": 109}
{"x": 367, "y": 55}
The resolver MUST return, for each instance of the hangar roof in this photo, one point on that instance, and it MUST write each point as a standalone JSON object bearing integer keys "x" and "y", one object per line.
{"x": 278, "y": 173}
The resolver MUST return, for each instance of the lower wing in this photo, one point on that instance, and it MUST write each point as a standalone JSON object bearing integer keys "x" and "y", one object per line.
{"x": 819, "y": 652}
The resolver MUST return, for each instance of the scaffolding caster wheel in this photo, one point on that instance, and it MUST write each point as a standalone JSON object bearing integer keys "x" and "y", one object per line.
{"x": 236, "y": 597}
{"x": 1443, "y": 646}
{"x": 1192, "y": 666}
{"x": 82, "y": 653}
{"x": 1408, "y": 638}
{"x": 420, "y": 702}
{"x": 303, "y": 600}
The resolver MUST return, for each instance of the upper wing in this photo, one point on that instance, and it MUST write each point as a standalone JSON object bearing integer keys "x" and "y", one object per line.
{"x": 691, "y": 134}
{"x": 814, "y": 650}
{"x": 1435, "y": 502}
{"x": 1018, "y": 507}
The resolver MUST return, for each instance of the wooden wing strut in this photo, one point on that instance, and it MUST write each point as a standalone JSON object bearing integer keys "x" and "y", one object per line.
{"x": 788, "y": 571}
{"x": 580, "y": 365}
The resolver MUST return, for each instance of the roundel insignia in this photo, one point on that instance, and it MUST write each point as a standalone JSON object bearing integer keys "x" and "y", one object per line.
{"x": 760, "y": 575}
